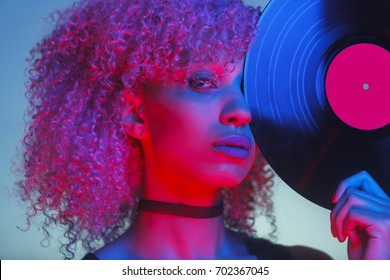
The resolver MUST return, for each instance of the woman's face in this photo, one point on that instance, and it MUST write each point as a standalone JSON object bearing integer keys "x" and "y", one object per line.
{"x": 198, "y": 130}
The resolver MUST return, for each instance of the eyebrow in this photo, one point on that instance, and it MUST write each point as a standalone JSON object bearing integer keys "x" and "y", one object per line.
{"x": 204, "y": 72}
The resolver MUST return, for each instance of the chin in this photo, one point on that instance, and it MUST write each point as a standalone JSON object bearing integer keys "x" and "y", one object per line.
{"x": 227, "y": 179}
{"x": 226, "y": 175}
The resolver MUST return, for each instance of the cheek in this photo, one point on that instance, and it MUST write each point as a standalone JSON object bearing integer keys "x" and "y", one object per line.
{"x": 174, "y": 127}
{"x": 181, "y": 135}
{"x": 179, "y": 120}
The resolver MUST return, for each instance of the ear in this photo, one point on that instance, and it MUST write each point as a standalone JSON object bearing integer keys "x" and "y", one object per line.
{"x": 133, "y": 118}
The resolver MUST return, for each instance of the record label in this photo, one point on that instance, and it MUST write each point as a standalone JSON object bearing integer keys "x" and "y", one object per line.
{"x": 358, "y": 88}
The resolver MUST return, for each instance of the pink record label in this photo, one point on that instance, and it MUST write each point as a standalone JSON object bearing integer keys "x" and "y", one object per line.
{"x": 358, "y": 86}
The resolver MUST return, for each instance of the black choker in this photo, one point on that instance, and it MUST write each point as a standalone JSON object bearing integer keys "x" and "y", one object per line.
{"x": 181, "y": 210}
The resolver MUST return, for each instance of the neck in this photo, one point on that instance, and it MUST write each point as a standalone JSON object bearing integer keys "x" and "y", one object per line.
{"x": 165, "y": 183}
{"x": 173, "y": 237}
{"x": 181, "y": 191}
{"x": 159, "y": 236}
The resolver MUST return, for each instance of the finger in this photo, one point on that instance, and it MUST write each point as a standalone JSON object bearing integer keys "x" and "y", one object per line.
{"x": 362, "y": 181}
{"x": 352, "y": 198}
{"x": 357, "y": 219}
{"x": 340, "y": 211}
{"x": 368, "y": 229}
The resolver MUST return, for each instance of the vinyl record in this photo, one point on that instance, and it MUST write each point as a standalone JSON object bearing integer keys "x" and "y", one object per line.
{"x": 317, "y": 82}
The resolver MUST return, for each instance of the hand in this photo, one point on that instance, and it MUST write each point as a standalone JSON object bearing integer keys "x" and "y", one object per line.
{"x": 362, "y": 213}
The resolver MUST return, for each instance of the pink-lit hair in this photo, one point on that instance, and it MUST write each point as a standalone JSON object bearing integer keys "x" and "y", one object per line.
{"x": 80, "y": 168}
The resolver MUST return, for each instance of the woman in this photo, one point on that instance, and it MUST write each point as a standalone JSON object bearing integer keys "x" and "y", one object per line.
{"x": 139, "y": 131}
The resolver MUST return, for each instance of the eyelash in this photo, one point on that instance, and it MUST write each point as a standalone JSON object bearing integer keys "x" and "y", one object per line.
{"x": 200, "y": 83}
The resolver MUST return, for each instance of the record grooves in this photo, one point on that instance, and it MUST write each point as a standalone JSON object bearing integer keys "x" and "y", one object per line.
{"x": 317, "y": 82}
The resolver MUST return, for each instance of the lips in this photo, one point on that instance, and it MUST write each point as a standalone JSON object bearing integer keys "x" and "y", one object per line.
{"x": 235, "y": 146}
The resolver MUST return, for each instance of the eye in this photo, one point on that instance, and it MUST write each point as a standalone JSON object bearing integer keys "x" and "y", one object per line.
{"x": 201, "y": 83}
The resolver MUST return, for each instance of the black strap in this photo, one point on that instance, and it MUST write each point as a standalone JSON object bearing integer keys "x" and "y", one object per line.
{"x": 181, "y": 210}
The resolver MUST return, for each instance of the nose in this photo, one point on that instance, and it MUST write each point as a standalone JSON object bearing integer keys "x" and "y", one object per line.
{"x": 235, "y": 110}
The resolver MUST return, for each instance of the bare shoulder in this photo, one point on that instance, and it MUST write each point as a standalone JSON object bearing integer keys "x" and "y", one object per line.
{"x": 108, "y": 252}
{"x": 307, "y": 253}
{"x": 116, "y": 250}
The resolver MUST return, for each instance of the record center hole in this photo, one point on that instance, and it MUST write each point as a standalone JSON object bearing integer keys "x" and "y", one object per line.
{"x": 366, "y": 86}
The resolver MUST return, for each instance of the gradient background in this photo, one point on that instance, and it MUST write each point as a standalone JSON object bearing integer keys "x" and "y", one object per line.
{"x": 22, "y": 24}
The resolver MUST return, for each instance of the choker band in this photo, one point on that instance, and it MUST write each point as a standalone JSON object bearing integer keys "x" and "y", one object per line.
{"x": 181, "y": 210}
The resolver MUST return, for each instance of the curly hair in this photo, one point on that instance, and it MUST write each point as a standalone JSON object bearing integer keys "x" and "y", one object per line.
{"x": 80, "y": 169}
